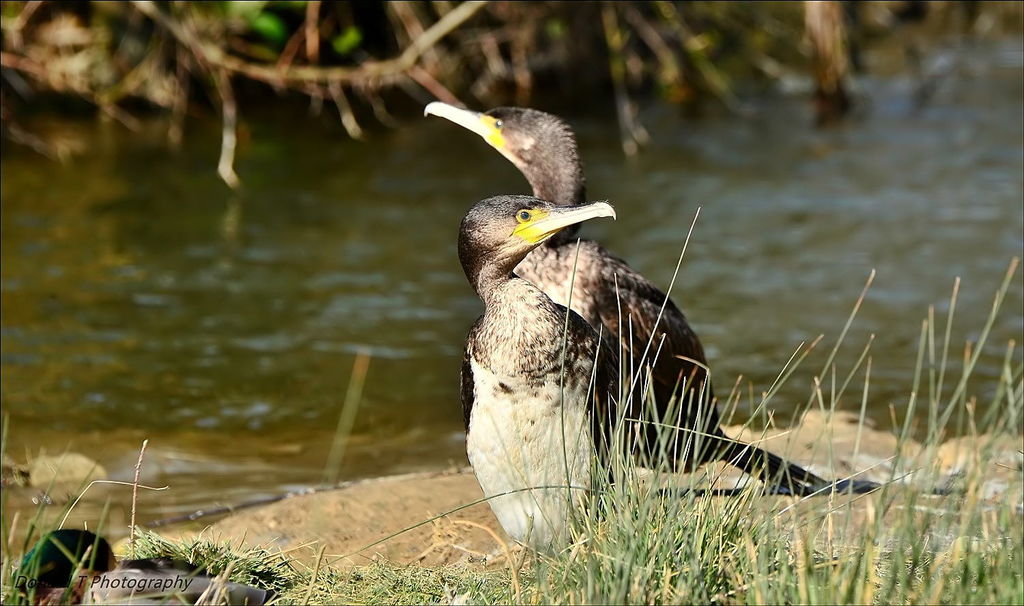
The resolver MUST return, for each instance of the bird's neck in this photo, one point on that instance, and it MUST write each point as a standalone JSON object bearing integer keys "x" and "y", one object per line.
{"x": 565, "y": 186}
{"x": 489, "y": 279}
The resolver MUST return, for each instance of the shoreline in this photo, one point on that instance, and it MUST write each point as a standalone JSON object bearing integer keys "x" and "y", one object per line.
{"x": 369, "y": 520}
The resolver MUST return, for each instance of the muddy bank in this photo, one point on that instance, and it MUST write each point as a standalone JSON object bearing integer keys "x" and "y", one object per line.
{"x": 347, "y": 523}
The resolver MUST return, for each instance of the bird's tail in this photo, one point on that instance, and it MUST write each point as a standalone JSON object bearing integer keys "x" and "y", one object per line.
{"x": 782, "y": 477}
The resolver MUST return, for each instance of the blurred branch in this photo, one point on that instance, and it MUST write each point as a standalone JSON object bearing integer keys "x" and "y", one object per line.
{"x": 714, "y": 79}
{"x": 312, "y": 31}
{"x": 23, "y": 64}
{"x": 379, "y": 110}
{"x": 36, "y": 144}
{"x": 823, "y": 21}
{"x": 304, "y": 77}
{"x": 175, "y": 131}
{"x": 300, "y": 74}
{"x": 430, "y": 83}
{"x": 21, "y": 21}
{"x": 39, "y": 72}
{"x": 291, "y": 48}
{"x": 229, "y": 130}
{"x": 669, "y": 64}
{"x": 521, "y": 71}
{"x": 413, "y": 27}
{"x": 348, "y": 118}
{"x": 631, "y": 132}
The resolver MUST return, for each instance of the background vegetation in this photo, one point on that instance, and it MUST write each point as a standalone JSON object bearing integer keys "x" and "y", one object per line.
{"x": 369, "y": 58}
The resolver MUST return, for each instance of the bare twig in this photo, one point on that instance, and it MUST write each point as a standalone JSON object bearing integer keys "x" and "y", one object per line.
{"x": 22, "y": 137}
{"x": 380, "y": 111}
{"x": 489, "y": 47}
{"x": 495, "y": 64}
{"x": 520, "y": 65}
{"x": 431, "y": 84}
{"x": 312, "y": 33}
{"x": 823, "y": 21}
{"x": 316, "y": 98}
{"x": 631, "y": 132}
{"x": 122, "y": 117}
{"x": 135, "y": 497}
{"x": 291, "y": 48}
{"x": 176, "y": 130}
{"x": 695, "y": 52}
{"x": 406, "y": 13}
{"x": 348, "y": 119}
{"x": 229, "y": 136}
{"x": 40, "y": 72}
{"x": 21, "y": 21}
{"x": 667, "y": 59}
{"x": 24, "y": 64}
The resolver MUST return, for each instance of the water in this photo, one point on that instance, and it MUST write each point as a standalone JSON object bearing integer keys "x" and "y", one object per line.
{"x": 141, "y": 299}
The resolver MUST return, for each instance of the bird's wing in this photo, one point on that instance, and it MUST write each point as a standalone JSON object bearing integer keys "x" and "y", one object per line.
{"x": 468, "y": 388}
{"x": 630, "y": 307}
{"x": 583, "y": 342}
{"x": 604, "y": 415}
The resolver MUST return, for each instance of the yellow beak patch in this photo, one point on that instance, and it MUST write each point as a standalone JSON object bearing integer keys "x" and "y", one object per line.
{"x": 533, "y": 229}
{"x": 491, "y": 133}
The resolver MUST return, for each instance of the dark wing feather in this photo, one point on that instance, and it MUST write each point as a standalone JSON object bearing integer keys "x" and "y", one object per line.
{"x": 604, "y": 413}
{"x": 468, "y": 388}
{"x": 582, "y": 342}
{"x": 640, "y": 304}
{"x": 631, "y": 311}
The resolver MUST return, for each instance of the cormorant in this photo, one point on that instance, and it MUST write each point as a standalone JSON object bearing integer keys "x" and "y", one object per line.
{"x": 530, "y": 389}
{"x": 651, "y": 332}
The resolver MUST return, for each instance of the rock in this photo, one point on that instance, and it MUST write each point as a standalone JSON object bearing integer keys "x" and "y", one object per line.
{"x": 958, "y": 454}
{"x": 69, "y": 468}
{"x": 958, "y": 458}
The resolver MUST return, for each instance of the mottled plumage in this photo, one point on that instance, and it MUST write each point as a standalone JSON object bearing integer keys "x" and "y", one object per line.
{"x": 532, "y": 399}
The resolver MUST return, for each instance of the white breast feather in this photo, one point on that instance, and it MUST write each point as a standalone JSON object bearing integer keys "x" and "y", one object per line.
{"x": 519, "y": 438}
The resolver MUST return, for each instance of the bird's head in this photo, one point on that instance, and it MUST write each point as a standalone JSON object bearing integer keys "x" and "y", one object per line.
{"x": 58, "y": 554}
{"x": 498, "y": 232}
{"x": 541, "y": 145}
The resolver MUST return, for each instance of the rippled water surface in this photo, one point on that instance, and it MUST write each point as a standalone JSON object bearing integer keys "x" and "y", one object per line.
{"x": 142, "y": 300}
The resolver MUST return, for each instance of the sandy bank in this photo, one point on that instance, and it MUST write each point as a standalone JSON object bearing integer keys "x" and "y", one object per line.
{"x": 345, "y": 521}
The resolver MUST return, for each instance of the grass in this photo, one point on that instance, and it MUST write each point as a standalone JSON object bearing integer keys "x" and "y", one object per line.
{"x": 902, "y": 544}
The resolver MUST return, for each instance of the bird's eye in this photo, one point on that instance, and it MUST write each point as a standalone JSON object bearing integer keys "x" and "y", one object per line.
{"x": 498, "y": 124}
{"x": 523, "y": 216}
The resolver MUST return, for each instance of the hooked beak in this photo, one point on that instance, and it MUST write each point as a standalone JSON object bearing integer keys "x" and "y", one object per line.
{"x": 558, "y": 218}
{"x": 479, "y": 123}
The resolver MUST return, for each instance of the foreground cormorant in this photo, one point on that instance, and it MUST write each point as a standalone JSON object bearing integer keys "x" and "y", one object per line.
{"x": 650, "y": 330}
{"x": 530, "y": 389}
